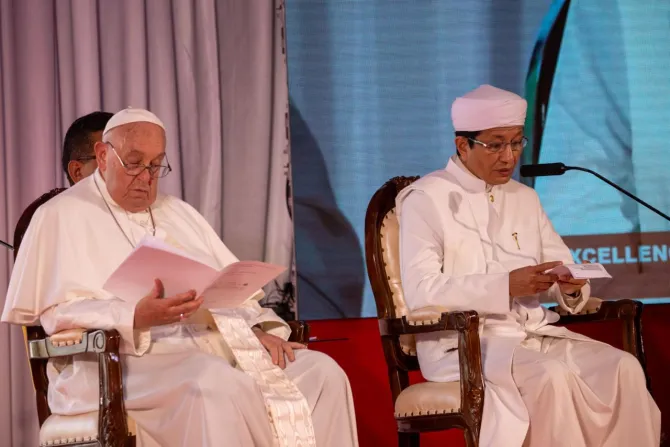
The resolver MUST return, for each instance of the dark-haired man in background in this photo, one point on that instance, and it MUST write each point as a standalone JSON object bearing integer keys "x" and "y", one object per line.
{"x": 78, "y": 156}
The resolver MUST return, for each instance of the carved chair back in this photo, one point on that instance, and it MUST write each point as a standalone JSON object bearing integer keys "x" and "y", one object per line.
{"x": 383, "y": 264}
{"x": 38, "y": 367}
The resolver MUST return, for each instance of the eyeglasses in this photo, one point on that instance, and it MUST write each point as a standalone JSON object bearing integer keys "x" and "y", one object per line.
{"x": 496, "y": 148}
{"x": 135, "y": 169}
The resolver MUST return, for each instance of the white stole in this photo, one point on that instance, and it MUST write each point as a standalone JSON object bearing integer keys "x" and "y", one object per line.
{"x": 287, "y": 407}
{"x": 288, "y": 411}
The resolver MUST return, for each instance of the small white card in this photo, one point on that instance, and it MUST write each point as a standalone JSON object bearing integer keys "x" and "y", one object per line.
{"x": 581, "y": 271}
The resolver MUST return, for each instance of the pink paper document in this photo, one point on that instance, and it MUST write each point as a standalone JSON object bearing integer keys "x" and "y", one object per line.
{"x": 179, "y": 272}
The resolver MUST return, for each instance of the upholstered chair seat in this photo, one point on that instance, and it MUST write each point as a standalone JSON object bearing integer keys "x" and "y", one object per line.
{"x": 81, "y": 428}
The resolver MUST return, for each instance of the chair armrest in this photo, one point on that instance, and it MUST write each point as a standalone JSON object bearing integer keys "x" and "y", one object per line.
{"x": 112, "y": 424}
{"x": 466, "y": 323}
{"x": 599, "y": 310}
{"x": 299, "y": 331}
{"x": 74, "y": 342}
{"x": 430, "y": 319}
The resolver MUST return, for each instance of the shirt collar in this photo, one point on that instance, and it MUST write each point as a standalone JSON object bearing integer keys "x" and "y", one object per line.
{"x": 102, "y": 186}
{"x": 466, "y": 178}
{"x": 100, "y": 182}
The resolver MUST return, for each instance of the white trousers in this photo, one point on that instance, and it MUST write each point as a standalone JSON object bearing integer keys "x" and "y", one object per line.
{"x": 585, "y": 394}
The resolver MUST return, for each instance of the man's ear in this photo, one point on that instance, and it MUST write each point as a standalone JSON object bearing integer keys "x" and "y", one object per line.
{"x": 74, "y": 170}
{"x": 100, "y": 149}
{"x": 462, "y": 147}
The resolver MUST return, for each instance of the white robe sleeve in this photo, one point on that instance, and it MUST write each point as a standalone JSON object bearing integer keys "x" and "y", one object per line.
{"x": 252, "y": 312}
{"x": 90, "y": 313}
{"x": 554, "y": 249}
{"x": 266, "y": 318}
{"x": 421, "y": 257}
{"x": 55, "y": 282}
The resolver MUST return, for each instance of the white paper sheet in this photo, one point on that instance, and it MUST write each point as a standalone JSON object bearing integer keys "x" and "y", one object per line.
{"x": 581, "y": 271}
{"x": 179, "y": 273}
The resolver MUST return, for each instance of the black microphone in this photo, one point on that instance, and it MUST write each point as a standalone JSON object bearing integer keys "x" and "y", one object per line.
{"x": 545, "y": 169}
{"x": 6, "y": 245}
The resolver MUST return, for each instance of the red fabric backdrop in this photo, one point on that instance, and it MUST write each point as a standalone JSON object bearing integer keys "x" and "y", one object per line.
{"x": 361, "y": 356}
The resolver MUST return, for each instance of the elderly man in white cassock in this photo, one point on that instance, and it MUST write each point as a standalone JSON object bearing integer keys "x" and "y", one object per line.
{"x": 192, "y": 377}
{"x": 471, "y": 238}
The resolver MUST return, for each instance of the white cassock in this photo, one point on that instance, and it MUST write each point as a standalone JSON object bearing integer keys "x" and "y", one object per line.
{"x": 204, "y": 382}
{"x": 545, "y": 385}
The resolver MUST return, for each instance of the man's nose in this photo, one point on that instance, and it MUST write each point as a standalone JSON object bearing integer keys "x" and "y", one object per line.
{"x": 507, "y": 154}
{"x": 145, "y": 176}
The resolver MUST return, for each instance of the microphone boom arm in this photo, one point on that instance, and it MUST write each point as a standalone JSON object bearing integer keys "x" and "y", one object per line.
{"x": 620, "y": 189}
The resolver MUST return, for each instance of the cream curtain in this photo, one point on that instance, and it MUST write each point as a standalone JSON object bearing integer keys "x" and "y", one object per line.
{"x": 213, "y": 70}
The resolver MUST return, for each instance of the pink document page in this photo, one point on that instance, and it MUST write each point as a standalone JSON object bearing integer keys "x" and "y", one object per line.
{"x": 179, "y": 272}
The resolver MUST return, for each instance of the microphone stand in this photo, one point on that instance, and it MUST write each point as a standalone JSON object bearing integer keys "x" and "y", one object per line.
{"x": 5, "y": 244}
{"x": 620, "y": 189}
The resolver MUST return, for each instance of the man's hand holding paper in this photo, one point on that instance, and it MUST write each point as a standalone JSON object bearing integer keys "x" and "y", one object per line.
{"x": 155, "y": 309}
{"x": 570, "y": 285}
{"x": 572, "y": 277}
{"x": 530, "y": 280}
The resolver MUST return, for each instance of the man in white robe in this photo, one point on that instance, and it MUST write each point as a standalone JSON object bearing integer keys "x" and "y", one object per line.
{"x": 192, "y": 377}
{"x": 473, "y": 239}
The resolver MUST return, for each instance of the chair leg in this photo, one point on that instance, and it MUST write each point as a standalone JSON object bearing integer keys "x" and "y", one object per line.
{"x": 408, "y": 439}
{"x": 470, "y": 440}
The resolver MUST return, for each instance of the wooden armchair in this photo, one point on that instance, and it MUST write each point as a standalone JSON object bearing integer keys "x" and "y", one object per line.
{"x": 428, "y": 406}
{"x": 434, "y": 406}
{"x": 110, "y": 426}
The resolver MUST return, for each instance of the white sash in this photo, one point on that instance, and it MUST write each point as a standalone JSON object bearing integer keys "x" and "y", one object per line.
{"x": 287, "y": 408}
{"x": 288, "y": 411}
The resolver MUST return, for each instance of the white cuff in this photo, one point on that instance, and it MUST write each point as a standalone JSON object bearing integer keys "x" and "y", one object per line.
{"x": 571, "y": 304}
{"x": 133, "y": 341}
